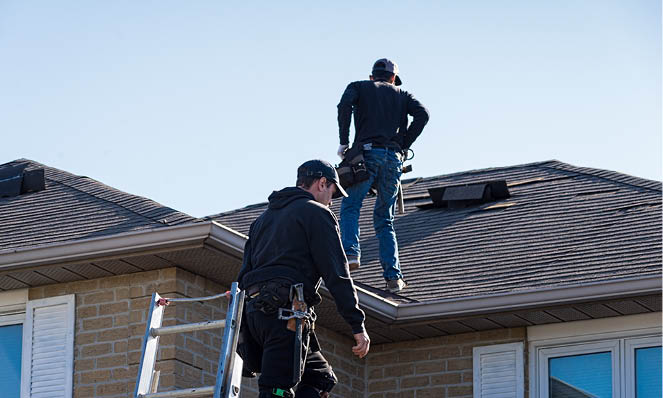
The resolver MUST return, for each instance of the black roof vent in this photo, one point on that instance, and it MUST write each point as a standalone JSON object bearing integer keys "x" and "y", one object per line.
{"x": 14, "y": 180}
{"x": 461, "y": 196}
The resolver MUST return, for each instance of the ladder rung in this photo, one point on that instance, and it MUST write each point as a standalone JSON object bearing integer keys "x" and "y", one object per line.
{"x": 189, "y": 392}
{"x": 188, "y": 327}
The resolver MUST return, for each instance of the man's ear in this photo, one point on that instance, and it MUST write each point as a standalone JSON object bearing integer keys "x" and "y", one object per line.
{"x": 322, "y": 183}
{"x": 370, "y": 77}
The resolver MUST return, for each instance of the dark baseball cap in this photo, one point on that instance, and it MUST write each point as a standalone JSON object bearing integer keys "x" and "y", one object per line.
{"x": 383, "y": 64}
{"x": 319, "y": 168}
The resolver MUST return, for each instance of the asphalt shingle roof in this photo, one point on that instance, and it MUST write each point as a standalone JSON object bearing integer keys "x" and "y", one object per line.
{"x": 75, "y": 207}
{"x": 563, "y": 225}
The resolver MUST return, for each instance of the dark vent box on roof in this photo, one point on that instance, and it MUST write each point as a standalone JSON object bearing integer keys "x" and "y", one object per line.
{"x": 461, "y": 196}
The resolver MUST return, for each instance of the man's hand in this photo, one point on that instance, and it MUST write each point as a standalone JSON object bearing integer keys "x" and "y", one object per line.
{"x": 341, "y": 151}
{"x": 363, "y": 344}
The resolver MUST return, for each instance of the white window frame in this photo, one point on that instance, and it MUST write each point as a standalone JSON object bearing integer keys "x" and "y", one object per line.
{"x": 547, "y": 353}
{"x": 12, "y": 311}
{"x": 630, "y": 345}
{"x": 619, "y": 335}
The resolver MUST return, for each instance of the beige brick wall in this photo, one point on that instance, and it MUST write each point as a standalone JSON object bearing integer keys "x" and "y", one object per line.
{"x": 110, "y": 324}
{"x": 109, "y": 327}
{"x": 437, "y": 367}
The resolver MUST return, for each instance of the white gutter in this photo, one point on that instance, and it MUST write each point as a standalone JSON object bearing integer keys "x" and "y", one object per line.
{"x": 227, "y": 238}
{"x": 529, "y": 299}
{"x": 179, "y": 236}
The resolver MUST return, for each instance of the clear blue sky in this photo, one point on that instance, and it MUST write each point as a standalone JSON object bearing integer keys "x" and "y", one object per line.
{"x": 206, "y": 106}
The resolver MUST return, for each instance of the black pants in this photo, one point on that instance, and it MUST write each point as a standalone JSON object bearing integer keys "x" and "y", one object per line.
{"x": 270, "y": 351}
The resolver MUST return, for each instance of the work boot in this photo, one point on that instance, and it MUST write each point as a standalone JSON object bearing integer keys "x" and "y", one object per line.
{"x": 353, "y": 262}
{"x": 396, "y": 285}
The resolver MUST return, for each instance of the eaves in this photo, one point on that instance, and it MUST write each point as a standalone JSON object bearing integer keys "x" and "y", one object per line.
{"x": 212, "y": 235}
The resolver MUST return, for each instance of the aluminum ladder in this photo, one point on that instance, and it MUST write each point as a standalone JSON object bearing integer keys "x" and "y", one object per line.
{"x": 229, "y": 373}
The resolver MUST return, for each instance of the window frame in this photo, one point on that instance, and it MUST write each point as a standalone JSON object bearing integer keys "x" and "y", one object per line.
{"x": 630, "y": 345}
{"x": 626, "y": 333}
{"x": 12, "y": 312}
{"x": 546, "y": 353}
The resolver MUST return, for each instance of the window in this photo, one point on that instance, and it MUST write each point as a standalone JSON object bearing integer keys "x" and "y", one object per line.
{"x": 12, "y": 317}
{"x": 36, "y": 345}
{"x": 11, "y": 336}
{"x": 597, "y": 363}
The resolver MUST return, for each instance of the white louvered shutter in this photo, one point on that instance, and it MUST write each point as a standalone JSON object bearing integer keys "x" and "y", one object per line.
{"x": 498, "y": 371}
{"x": 48, "y": 348}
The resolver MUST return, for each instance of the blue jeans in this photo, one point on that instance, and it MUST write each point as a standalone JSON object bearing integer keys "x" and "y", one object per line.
{"x": 385, "y": 168}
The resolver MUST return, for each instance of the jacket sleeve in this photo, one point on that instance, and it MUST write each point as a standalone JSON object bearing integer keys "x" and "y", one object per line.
{"x": 247, "y": 266}
{"x": 331, "y": 264}
{"x": 348, "y": 100}
{"x": 420, "y": 117}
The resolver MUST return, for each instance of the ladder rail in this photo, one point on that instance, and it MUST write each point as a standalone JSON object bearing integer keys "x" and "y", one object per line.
{"x": 150, "y": 348}
{"x": 230, "y": 340}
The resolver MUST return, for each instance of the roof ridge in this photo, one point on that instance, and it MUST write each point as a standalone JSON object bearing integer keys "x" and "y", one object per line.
{"x": 229, "y": 212}
{"x": 479, "y": 171}
{"x": 610, "y": 175}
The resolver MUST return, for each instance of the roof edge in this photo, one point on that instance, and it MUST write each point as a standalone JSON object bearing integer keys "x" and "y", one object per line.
{"x": 226, "y": 239}
{"x": 528, "y": 299}
{"x": 184, "y": 235}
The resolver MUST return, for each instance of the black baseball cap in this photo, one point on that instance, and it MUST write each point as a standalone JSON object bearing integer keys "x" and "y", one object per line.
{"x": 383, "y": 64}
{"x": 319, "y": 168}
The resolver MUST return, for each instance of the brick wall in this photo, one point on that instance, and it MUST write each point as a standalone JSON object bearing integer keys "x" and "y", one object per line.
{"x": 110, "y": 324}
{"x": 437, "y": 367}
{"x": 109, "y": 327}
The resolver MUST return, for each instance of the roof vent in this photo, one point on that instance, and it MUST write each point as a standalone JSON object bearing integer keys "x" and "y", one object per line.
{"x": 462, "y": 196}
{"x": 14, "y": 180}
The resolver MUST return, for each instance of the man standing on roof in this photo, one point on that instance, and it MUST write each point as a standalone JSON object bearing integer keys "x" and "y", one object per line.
{"x": 381, "y": 112}
{"x": 296, "y": 240}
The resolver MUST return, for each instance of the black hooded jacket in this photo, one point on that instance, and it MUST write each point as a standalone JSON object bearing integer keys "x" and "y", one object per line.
{"x": 380, "y": 112}
{"x": 298, "y": 239}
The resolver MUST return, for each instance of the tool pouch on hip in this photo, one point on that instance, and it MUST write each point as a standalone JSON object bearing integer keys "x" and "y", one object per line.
{"x": 270, "y": 298}
{"x": 352, "y": 170}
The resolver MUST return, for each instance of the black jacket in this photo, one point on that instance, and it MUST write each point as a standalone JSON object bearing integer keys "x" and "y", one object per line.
{"x": 380, "y": 110}
{"x": 298, "y": 239}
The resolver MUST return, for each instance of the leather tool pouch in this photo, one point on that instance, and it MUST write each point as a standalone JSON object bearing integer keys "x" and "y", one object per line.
{"x": 352, "y": 170}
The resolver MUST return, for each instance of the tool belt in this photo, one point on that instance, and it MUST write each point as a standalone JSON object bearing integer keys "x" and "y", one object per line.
{"x": 268, "y": 297}
{"x": 352, "y": 170}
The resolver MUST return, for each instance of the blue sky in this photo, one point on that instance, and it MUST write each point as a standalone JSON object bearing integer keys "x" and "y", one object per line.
{"x": 206, "y": 106}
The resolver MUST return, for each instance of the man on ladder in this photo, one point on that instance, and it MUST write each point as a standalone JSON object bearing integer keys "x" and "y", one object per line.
{"x": 292, "y": 246}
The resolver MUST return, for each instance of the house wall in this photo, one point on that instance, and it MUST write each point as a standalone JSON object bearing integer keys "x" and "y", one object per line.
{"x": 109, "y": 327}
{"x": 437, "y": 367}
{"x": 110, "y": 324}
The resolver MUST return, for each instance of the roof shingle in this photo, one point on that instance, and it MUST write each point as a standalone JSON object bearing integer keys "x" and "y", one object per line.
{"x": 563, "y": 225}
{"x": 75, "y": 207}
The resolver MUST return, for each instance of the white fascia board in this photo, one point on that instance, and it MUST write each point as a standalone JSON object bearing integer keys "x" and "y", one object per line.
{"x": 185, "y": 235}
{"x": 227, "y": 238}
{"x": 529, "y": 299}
